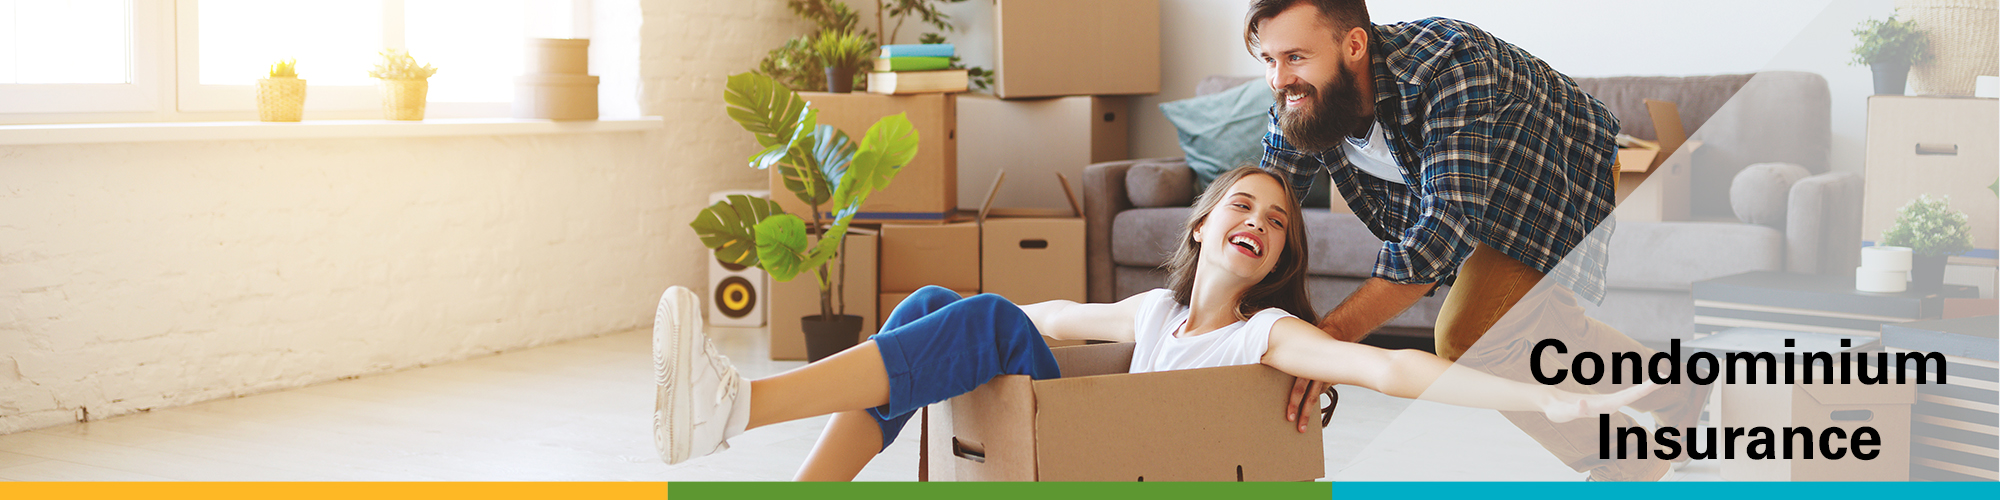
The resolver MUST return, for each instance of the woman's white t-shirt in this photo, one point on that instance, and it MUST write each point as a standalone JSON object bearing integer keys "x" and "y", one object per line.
{"x": 1157, "y": 349}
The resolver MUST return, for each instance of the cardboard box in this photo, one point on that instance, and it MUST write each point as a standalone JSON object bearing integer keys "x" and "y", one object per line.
{"x": 1653, "y": 182}
{"x": 1033, "y": 139}
{"x": 1939, "y": 146}
{"x": 1046, "y": 48}
{"x": 916, "y": 256}
{"x": 1817, "y": 406}
{"x": 1099, "y": 423}
{"x": 1031, "y": 255}
{"x": 926, "y": 190}
{"x": 798, "y": 298}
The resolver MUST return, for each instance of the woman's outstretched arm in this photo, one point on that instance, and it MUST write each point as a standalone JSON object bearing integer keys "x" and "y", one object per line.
{"x": 1066, "y": 320}
{"x": 1302, "y": 350}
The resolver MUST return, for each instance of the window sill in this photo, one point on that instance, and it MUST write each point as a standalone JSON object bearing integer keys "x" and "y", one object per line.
{"x": 91, "y": 133}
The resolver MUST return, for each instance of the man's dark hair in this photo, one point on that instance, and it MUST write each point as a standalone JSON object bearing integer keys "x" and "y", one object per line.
{"x": 1342, "y": 15}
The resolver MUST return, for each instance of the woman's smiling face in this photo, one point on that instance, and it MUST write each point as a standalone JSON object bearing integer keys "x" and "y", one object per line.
{"x": 1249, "y": 228}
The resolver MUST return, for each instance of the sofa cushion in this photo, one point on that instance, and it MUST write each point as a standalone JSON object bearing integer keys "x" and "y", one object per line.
{"x": 1223, "y": 130}
{"x": 1674, "y": 255}
{"x": 1340, "y": 244}
{"x": 1151, "y": 185}
{"x": 1761, "y": 192}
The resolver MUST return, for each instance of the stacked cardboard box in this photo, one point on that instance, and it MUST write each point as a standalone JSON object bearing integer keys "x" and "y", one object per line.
{"x": 926, "y": 190}
{"x": 989, "y": 255}
{"x": 1817, "y": 405}
{"x": 1033, "y": 139}
{"x": 1047, "y": 48}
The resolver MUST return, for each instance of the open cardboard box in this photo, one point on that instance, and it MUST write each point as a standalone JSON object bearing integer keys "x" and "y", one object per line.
{"x": 1817, "y": 406}
{"x": 1032, "y": 255}
{"x": 1653, "y": 176}
{"x": 1099, "y": 423}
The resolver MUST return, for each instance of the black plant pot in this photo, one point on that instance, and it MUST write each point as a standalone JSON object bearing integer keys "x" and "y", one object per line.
{"x": 1927, "y": 273}
{"x": 826, "y": 338}
{"x": 839, "y": 80}
{"x": 1890, "y": 78}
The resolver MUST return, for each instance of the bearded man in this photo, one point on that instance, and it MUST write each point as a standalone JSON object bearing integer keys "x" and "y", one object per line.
{"x": 1479, "y": 167}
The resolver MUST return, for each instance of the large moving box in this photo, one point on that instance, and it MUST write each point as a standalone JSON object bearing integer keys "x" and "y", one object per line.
{"x": 1938, "y": 146}
{"x": 915, "y": 256}
{"x": 1046, "y": 48}
{"x": 1653, "y": 181}
{"x": 1034, "y": 139}
{"x": 926, "y": 190}
{"x": 1816, "y": 406}
{"x": 1099, "y": 423}
{"x": 798, "y": 298}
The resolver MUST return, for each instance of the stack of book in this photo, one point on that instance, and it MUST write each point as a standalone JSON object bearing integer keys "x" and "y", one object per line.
{"x": 916, "y": 69}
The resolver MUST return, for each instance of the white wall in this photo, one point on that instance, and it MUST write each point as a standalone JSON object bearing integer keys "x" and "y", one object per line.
{"x": 1583, "y": 38}
{"x": 149, "y": 275}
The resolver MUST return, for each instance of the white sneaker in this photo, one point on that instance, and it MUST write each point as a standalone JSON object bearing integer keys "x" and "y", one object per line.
{"x": 702, "y": 402}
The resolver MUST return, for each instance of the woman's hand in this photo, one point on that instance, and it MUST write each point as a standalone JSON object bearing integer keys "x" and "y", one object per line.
{"x": 1565, "y": 406}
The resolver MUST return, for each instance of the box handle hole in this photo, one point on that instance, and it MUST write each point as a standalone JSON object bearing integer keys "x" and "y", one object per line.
{"x": 1853, "y": 416}
{"x": 968, "y": 452}
{"x": 1110, "y": 117}
{"x": 1937, "y": 149}
{"x": 1034, "y": 244}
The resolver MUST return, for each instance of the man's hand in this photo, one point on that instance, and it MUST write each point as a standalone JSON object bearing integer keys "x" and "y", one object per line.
{"x": 1304, "y": 403}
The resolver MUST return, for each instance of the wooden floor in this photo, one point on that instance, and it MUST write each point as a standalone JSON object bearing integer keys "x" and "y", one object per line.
{"x": 582, "y": 410}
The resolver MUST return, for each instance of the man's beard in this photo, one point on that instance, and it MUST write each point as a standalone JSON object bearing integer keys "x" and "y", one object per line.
{"x": 1333, "y": 113}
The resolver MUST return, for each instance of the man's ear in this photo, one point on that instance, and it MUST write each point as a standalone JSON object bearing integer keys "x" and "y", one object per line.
{"x": 1355, "y": 45}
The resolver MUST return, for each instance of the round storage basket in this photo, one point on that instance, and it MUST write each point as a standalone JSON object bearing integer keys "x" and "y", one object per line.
{"x": 1965, "y": 43}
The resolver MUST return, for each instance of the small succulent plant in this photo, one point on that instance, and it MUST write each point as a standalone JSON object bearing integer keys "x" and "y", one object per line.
{"x": 285, "y": 69}
{"x": 398, "y": 65}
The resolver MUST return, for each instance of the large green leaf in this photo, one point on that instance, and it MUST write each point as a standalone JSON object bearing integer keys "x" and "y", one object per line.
{"x": 889, "y": 145}
{"x": 764, "y": 107}
{"x": 805, "y": 173}
{"x": 781, "y": 246}
{"x": 793, "y": 149}
{"x": 728, "y": 227}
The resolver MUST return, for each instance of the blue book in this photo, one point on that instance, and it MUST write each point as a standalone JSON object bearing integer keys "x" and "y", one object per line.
{"x": 917, "y": 50}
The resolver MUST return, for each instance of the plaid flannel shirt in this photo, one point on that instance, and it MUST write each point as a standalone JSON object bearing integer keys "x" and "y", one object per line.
{"x": 1496, "y": 148}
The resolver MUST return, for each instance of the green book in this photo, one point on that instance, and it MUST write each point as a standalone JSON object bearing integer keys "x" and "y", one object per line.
{"x": 912, "y": 63}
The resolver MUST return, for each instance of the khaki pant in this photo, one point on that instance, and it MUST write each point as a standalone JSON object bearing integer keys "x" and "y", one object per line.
{"x": 1491, "y": 320}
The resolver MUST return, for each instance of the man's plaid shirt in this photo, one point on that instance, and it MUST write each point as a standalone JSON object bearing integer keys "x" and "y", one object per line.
{"x": 1507, "y": 152}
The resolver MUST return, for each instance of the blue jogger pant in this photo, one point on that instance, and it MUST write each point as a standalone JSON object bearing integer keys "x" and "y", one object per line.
{"x": 936, "y": 345}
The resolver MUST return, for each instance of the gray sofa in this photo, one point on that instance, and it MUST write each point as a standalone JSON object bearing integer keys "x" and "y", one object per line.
{"x": 1135, "y": 207}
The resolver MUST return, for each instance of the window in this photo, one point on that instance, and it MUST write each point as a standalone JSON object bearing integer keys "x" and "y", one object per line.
{"x": 77, "y": 56}
{"x": 225, "y": 46}
{"x": 164, "y": 60}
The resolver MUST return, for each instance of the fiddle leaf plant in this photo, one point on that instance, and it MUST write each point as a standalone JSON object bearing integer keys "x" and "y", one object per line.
{"x": 819, "y": 164}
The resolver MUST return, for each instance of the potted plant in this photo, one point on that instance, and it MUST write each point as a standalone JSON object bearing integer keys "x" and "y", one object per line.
{"x": 1933, "y": 232}
{"x": 282, "y": 97}
{"x": 823, "y": 168}
{"x": 841, "y": 52}
{"x": 1889, "y": 48}
{"x": 404, "y": 85}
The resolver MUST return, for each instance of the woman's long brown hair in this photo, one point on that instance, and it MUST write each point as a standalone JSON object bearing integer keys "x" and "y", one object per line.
{"x": 1283, "y": 288}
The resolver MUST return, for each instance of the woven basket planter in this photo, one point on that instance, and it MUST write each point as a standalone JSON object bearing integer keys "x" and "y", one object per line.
{"x": 281, "y": 99}
{"x": 404, "y": 99}
{"x": 1965, "y": 43}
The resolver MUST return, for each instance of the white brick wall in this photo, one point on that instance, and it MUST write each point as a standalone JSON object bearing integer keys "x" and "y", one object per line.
{"x": 150, "y": 275}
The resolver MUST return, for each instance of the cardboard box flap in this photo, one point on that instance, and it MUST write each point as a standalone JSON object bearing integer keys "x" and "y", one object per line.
{"x": 1190, "y": 423}
{"x": 1859, "y": 394}
{"x": 986, "y": 207}
{"x": 1094, "y": 359}
{"x": 1666, "y": 118}
{"x": 1004, "y": 427}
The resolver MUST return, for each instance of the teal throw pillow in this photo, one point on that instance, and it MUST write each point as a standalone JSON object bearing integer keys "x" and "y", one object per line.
{"x": 1223, "y": 130}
